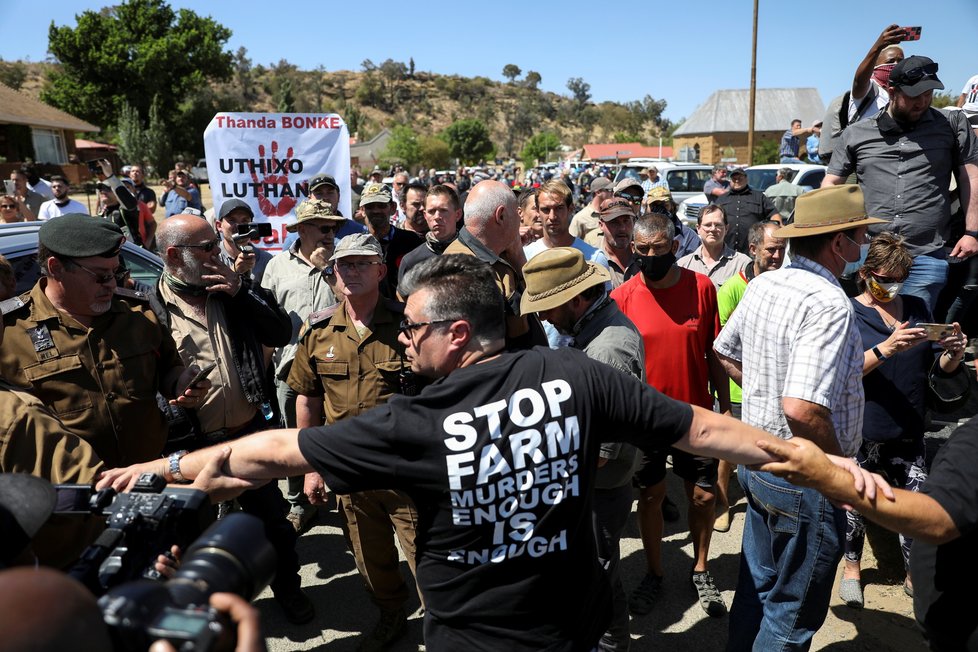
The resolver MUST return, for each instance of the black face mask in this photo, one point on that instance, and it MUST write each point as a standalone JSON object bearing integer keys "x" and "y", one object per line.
{"x": 655, "y": 268}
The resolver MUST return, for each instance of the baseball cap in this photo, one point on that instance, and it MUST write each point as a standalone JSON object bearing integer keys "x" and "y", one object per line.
{"x": 357, "y": 244}
{"x": 601, "y": 183}
{"x": 234, "y": 205}
{"x": 322, "y": 180}
{"x": 915, "y": 75}
{"x": 375, "y": 193}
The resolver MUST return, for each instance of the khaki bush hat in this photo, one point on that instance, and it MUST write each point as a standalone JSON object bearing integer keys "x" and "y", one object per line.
{"x": 314, "y": 209}
{"x": 826, "y": 210}
{"x": 555, "y": 276}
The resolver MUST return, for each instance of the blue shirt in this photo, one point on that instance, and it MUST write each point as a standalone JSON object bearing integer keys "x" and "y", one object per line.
{"x": 175, "y": 203}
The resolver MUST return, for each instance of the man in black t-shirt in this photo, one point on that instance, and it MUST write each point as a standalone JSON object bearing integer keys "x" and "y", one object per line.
{"x": 500, "y": 455}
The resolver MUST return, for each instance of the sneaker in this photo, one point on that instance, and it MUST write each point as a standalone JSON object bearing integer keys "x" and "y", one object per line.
{"x": 390, "y": 627}
{"x": 644, "y": 597}
{"x": 710, "y": 598}
{"x": 670, "y": 513}
{"x": 851, "y": 592}
{"x": 296, "y": 605}
{"x": 300, "y": 516}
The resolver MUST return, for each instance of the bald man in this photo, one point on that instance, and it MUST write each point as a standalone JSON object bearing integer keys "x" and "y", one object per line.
{"x": 218, "y": 317}
{"x": 492, "y": 234}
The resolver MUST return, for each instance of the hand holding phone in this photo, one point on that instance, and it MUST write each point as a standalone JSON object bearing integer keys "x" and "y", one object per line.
{"x": 201, "y": 375}
{"x": 937, "y": 332}
{"x": 912, "y": 33}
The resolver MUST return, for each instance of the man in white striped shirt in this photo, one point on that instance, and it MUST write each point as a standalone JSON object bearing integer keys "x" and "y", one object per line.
{"x": 793, "y": 346}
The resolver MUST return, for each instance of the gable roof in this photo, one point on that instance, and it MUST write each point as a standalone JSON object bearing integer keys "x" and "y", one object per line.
{"x": 20, "y": 109}
{"x": 775, "y": 108}
{"x": 623, "y": 151}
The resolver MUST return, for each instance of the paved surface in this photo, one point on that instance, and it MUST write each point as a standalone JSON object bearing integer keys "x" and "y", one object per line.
{"x": 677, "y": 622}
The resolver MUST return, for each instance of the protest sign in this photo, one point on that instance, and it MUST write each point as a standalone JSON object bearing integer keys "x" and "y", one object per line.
{"x": 265, "y": 160}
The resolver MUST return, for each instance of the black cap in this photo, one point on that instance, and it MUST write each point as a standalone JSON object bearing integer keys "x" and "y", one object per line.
{"x": 738, "y": 171}
{"x": 76, "y": 235}
{"x": 234, "y": 205}
{"x": 322, "y": 180}
{"x": 915, "y": 75}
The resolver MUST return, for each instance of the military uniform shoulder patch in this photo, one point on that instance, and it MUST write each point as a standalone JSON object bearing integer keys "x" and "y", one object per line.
{"x": 11, "y": 304}
{"x": 126, "y": 293}
{"x": 322, "y": 315}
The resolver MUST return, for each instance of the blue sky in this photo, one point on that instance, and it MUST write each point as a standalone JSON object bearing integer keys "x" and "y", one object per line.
{"x": 680, "y": 51}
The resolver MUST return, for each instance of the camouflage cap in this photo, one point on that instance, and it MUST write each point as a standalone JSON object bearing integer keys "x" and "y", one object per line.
{"x": 357, "y": 244}
{"x": 76, "y": 235}
{"x": 375, "y": 193}
{"x": 658, "y": 193}
{"x": 314, "y": 209}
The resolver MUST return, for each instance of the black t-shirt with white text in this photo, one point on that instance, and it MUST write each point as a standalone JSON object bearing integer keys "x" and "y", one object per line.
{"x": 500, "y": 459}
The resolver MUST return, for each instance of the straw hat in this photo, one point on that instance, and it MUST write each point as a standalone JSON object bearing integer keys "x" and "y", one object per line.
{"x": 826, "y": 210}
{"x": 555, "y": 276}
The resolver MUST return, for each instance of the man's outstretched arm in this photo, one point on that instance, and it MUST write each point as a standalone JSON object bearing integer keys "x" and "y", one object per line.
{"x": 914, "y": 514}
{"x": 262, "y": 456}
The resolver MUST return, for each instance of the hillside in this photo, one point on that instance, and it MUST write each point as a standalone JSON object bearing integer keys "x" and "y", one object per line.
{"x": 392, "y": 93}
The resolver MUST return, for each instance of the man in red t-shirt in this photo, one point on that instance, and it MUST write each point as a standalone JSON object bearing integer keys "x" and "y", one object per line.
{"x": 675, "y": 310}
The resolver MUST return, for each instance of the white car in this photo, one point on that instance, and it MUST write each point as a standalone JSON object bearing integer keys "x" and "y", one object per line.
{"x": 684, "y": 179}
{"x": 759, "y": 177}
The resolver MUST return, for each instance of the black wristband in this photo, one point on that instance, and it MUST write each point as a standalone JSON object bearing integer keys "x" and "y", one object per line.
{"x": 973, "y": 234}
{"x": 879, "y": 354}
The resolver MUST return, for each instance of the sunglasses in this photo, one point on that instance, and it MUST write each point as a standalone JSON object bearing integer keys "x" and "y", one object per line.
{"x": 888, "y": 279}
{"x": 102, "y": 278}
{"x": 915, "y": 75}
{"x": 361, "y": 265}
{"x": 206, "y": 246}
{"x": 326, "y": 229}
{"x": 10, "y": 206}
{"x": 632, "y": 199}
{"x": 408, "y": 327}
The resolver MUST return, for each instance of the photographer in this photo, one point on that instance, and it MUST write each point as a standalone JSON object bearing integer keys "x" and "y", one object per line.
{"x": 180, "y": 194}
{"x": 252, "y": 259}
{"x": 71, "y": 619}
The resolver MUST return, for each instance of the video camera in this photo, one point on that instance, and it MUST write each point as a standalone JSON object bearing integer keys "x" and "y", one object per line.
{"x": 232, "y": 555}
{"x": 251, "y": 232}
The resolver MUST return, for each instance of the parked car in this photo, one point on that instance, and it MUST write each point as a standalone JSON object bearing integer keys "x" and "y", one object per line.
{"x": 685, "y": 179}
{"x": 18, "y": 244}
{"x": 199, "y": 171}
{"x": 759, "y": 177}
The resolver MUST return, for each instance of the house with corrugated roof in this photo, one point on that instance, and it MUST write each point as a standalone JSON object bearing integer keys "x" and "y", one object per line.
{"x": 31, "y": 129}
{"x": 622, "y": 152}
{"x": 716, "y": 132}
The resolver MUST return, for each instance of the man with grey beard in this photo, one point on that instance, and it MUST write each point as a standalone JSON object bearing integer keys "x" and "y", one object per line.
{"x": 221, "y": 319}
{"x": 303, "y": 282}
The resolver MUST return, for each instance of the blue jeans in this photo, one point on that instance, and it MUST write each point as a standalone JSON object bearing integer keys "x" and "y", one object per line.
{"x": 928, "y": 275}
{"x": 792, "y": 547}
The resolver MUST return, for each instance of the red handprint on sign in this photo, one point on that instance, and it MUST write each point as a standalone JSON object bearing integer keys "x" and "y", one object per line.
{"x": 276, "y": 174}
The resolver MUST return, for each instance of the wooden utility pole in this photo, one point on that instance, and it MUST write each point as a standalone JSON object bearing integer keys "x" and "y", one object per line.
{"x": 753, "y": 92}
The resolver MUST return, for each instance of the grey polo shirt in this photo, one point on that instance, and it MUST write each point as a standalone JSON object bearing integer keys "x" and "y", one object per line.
{"x": 905, "y": 171}
{"x": 729, "y": 264}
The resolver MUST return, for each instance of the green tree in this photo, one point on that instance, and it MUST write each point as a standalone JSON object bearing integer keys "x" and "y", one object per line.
{"x": 940, "y": 101}
{"x": 403, "y": 146}
{"x": 129, "y": 53}
{"x": 532, "y": 79}
{"x": 766, "y": 151}
{"x": 468, "y": 141}
{"x": 285, "y": 100}
{"x": 581, "y": 90}
{"x": 539, "y": 147}
{"x": 157, "y": 140}
{"x": 13, "y": 73}
{"x": 511, "y": 71}
{"x": 130, "y": 135}
{"x": 434, "y": 152}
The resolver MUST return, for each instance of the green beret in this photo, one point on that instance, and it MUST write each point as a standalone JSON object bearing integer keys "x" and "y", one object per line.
{"x": 76, "y": 235}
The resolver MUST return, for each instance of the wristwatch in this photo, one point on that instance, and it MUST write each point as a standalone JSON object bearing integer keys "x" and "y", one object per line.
{"x": 875, "y": 349}
{"x": 174, "y": 463}
{"x": 973, "y": 234}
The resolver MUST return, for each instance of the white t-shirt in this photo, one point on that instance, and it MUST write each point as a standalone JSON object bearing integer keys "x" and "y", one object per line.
{"x": 880, "y": 98}
{"x": 51, "y": 209}
{"x": 970, "y": 92}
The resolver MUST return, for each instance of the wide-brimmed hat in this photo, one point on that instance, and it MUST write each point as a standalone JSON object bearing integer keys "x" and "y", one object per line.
{"x": 555, "y": 276}
{"x": 827, "y": 210}
{"x": 314, "y": 209}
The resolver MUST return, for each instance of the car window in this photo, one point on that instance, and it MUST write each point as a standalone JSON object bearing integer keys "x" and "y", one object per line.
{"x": 142, "y": 269}
{"x": 26, "y": 270}
{"x": 761, "y": 179}
{"x": 628, "y": 173}
{"x": 812, "y": 179}
{"x": 678, "y": 180}
{"x": 697, "y": 178}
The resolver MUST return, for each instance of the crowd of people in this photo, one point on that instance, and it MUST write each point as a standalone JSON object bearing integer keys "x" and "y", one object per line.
{"x": 486, "y": 379}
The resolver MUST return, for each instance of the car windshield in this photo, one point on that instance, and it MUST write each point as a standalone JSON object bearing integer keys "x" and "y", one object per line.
{"x": 628, "y": 173}
{"x": 761, "y": 179}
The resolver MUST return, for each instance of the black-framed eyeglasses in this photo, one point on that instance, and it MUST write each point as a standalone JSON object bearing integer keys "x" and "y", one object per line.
{"x": 915, "y": 75}
{"x": 207, "y": 247}
{"x": 103, "y": 278}
{"x": 408, "y": 327}
{"x": 361, "y": 265}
